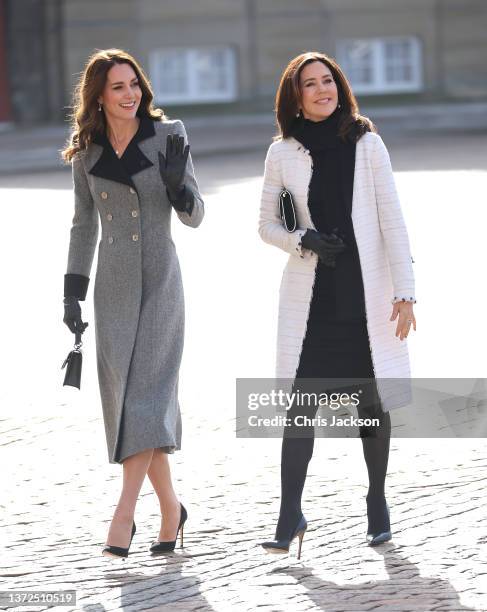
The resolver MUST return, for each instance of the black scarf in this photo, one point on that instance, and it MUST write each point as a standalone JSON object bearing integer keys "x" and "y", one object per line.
{"x": 331, "y": 187}
{"x": 338, "y": 292}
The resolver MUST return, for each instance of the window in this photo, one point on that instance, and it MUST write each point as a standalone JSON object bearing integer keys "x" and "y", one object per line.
{"x": 193, "y": 74}
{"x": 382, "y": 65}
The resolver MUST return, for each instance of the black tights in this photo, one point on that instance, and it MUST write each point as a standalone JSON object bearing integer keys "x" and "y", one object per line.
{"x": 297, "y": 452}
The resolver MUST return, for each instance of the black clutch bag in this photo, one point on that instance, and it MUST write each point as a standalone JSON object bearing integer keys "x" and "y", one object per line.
{"x": 287, "y": 210}
{"x": 73, "y": 363}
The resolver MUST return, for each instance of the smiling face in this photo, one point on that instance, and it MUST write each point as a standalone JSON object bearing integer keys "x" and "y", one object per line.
{"x": 319, "y": 93}
{"x": 122, "y": 93}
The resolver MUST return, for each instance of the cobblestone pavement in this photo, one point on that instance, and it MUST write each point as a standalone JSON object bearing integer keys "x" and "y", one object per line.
{"x": 57, "y": 510}
{"x": 59, "y": 492}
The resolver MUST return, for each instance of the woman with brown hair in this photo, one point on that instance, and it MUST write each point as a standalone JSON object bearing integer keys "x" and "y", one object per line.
{"x": 122, "y": 179}
{"x": 349, "y": 257}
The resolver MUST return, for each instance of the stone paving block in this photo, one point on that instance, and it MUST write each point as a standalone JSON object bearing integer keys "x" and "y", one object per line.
{"x": 58, "y": 492}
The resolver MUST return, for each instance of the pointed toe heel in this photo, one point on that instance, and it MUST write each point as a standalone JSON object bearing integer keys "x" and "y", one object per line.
{"x": 379, "y": 538}
{"x": 382, "y": 531}
{"x": 281, "y": 546}
{"x": 119, "y": 551}
{"x": 169, "y": 546}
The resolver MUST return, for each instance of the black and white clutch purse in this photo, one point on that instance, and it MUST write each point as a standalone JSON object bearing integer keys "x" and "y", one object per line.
{"x": 287, "y": 210}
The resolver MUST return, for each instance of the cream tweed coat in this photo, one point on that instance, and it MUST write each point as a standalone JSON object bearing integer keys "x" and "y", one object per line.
{"x": 384, "y": 252}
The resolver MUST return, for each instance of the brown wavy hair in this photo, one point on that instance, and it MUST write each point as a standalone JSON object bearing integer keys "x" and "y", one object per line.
{"x": 352, "y": 125}
{"x": 85, "y": 118}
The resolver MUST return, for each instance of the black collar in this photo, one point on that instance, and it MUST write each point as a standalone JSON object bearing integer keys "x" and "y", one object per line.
{"x": 317, "y": 136}
{"x": 122, "y": 169}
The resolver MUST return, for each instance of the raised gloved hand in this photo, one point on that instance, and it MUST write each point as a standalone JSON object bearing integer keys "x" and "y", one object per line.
{"x": 326, "y": 246}
{"x": 72, "y": 315}
{"x": 173, "y": 166}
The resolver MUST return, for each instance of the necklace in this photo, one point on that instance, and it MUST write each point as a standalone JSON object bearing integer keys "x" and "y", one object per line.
{"x": 119, "y": 143}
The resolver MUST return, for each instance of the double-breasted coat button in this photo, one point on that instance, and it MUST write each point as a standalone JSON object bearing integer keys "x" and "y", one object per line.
{"x": 104, "y": 195}
{"x": 109, "y": 216}
{"x": 132, "y": 190}
{"x": 134, "y": 213}
{"x": 135, "y": 237}
{"x": 110, "y": 239}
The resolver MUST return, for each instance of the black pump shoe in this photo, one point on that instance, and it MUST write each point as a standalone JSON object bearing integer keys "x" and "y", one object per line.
{"x": 282, "y": 546}
{"x": 163, "y": 547}
{"x": 381, "y": 531}
{"x": 119, "y": 551}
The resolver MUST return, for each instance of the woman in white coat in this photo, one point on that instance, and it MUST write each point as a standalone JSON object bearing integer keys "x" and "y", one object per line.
{"x": 349, "y": 259}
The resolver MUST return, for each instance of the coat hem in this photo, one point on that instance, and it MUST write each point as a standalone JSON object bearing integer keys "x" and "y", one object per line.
{"x": 169, "y": 449}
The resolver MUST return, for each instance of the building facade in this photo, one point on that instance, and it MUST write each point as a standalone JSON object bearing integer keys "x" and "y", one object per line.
{"x": 33, "y": 83}
{"x": 230, "y": 53}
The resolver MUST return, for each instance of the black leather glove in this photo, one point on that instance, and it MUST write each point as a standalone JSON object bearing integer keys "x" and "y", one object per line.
{"x": 72, "y": 315}
{"x": 326, "y": 246}
{"x": 173, "y": 166}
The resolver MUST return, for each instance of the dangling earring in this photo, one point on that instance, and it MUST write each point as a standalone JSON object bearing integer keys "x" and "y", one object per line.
{"x": 298, "y": 114}
{"x": 99, "y": 106}
{"x": 339, "y": 105}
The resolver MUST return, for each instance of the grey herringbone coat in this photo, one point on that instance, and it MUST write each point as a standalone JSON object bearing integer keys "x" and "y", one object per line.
{"x": 138, "y": 292}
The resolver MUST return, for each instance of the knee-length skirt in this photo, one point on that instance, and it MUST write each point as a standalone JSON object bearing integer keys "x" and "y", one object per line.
{"x": 336, "y": 344}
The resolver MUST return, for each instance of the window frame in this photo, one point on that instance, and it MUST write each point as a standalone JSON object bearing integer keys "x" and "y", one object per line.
{"x": 193, "y": 94}
{"x": 379, "y": 83}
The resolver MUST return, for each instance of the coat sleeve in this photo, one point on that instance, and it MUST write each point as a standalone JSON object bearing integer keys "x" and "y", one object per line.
{"x": 84, "y": 234}
{"x": 271, "y": 229}
{"x": 392, "y": 225}
{"x": 190, "y": 202}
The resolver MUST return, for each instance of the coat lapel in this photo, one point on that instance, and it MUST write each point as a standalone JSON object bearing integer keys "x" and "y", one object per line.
{"x": 347, "y": 163}
{"x": 110, "y": 167}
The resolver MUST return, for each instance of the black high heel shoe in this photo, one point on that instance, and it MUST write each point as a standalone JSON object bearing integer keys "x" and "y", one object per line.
{"x": 379, "y": 530}
{"x": 282, "y": 546}
{"x": 119, "y": 551}
{"x": 163, "y": 547}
